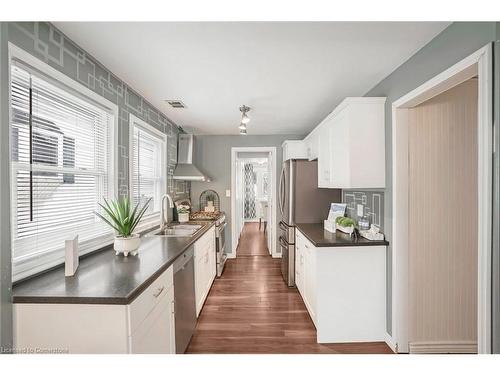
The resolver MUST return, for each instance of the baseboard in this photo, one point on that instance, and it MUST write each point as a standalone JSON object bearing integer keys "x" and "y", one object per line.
{"x": 390, "y": 342}
{"x": 231, "y": 255}
{"x": 441, "y": 347}
{"x": 276, "y": 256}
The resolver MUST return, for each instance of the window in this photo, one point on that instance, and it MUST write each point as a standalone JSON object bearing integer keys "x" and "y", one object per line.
{"x": 61, "y": 167}
{"x": 148, "y": 165}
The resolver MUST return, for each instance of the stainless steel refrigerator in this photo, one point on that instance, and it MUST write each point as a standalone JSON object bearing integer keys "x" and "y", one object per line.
{"x": 300, "y": 201}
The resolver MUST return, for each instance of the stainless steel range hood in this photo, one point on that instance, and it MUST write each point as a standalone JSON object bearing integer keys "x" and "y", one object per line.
{"x": 185, "y": 169}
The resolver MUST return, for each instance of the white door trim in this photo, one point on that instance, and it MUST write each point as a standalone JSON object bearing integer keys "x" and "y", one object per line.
{"x": 234, "y": 235}
{"x": 480, "y": 64}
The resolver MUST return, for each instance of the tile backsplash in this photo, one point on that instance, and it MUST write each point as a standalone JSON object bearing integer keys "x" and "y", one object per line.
{"x": 372, "y": 201}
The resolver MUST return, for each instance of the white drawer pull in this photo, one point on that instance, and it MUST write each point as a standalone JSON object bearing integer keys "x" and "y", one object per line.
{"x": 158, "y": 292}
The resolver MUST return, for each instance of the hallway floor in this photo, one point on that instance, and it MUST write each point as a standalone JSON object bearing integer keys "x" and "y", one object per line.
{"x": 251, "y": 310}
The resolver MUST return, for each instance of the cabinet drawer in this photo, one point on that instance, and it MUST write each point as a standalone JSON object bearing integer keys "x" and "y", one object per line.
{"x": 142, "y": 306}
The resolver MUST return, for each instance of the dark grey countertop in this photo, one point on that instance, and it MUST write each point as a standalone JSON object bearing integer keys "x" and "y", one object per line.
{"x": 320, "y": 237}
{"x": 106, "y": 278}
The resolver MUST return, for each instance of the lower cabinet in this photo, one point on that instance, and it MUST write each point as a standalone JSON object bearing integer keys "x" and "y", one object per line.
{"x": 344, "y": 290}
{"x": 147, "y": 325}
{"x": 305, "y": 274}
{"x": 205, "y": 267}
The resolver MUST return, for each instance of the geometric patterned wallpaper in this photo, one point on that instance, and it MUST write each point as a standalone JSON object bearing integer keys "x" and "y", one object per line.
{"x": 373, "y": 205}
{"x": 47, "y": 43}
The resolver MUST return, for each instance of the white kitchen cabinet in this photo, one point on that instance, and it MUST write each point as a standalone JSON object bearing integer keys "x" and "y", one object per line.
{"x": 358, "y": 144}
{"x": 310, "y": 279}
{"x": 344, "y": 290}
{"x": 295, "y": 149}
{"x": 312, "y": 145}
{"x": 305, "y": 273}
{"x": 146, "y": 325}
{"x": 205, "y": 267}
{"x": 351, "y": 145}
{"x": 299, "y": 266}
{"x": 156, "y": 335}
{"x": 324, "y": 156}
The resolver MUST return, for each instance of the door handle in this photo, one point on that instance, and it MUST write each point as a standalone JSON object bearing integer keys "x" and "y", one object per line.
{"x": 158, "y": 292}
{"x": 281, "y": 190}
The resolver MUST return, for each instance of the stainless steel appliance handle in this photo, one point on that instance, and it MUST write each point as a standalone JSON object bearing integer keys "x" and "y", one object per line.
{"x": 281, "y": 195}
{"x": 283, "y": 242}
{"x": 283, "y": 226}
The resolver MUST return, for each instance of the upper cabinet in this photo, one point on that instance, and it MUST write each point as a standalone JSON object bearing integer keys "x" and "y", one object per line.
{"x": 311, "y": 144}
{"x": 294, "y": 150}
{"x": 351, "y": 146}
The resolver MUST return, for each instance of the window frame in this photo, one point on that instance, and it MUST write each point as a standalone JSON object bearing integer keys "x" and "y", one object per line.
{"x": 35, "y": 265}
{"x": 151, "y": 220}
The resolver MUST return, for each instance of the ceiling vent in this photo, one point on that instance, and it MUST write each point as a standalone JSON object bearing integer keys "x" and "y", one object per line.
{"x": 176, "y": 104}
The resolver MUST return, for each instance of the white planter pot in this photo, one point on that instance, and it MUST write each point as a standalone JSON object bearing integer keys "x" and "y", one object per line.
{"x": 183, "y": 218}
{"x": 127, "y": 245}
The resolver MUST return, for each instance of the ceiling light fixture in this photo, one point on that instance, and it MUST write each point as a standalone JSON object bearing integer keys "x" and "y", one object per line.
{"x": 244, "y": 119}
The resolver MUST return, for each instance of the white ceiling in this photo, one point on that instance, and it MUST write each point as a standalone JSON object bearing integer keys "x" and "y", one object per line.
{"x": 292, "y": 74}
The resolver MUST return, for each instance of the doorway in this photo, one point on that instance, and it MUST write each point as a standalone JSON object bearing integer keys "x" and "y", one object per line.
{"x": 253, "y": 190}
{"x": 442, "y": 155}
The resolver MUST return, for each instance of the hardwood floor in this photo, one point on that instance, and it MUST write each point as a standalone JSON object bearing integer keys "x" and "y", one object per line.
{"x": 251, "y": 310}
{"x": 252, "y": 241}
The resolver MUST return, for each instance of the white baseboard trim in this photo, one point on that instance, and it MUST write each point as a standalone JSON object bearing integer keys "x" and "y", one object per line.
{"x": 442, "y": 347}
{"x": 390, "y": 342}
{"x": 231, "y": 255}
{"x": 276, "y": 255}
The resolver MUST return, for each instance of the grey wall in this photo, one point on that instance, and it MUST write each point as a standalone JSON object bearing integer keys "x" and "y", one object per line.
{"x": 213, "y": 156}
{"x": 45, "y": 42}
{"x": 455, "y": 43}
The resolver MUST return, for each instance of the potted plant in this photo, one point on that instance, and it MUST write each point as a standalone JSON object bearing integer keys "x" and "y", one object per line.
{"x": 123, "y": 219}
{"x": 183, "y": 213}
{"x": 345, "y": 224}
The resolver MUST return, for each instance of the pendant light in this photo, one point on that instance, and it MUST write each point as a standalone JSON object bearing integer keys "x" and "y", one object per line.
{"x": 244, "y": 119}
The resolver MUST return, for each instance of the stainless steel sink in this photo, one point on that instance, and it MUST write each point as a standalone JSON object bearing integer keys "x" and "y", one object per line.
{"x": 177, "y": 230}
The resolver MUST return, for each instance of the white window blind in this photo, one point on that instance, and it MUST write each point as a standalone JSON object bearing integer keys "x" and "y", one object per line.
{"x": 61, "y": 168}
{"x": 148, "y": 171}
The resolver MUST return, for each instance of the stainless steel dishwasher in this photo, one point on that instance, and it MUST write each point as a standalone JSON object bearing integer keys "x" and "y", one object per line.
{"x": 185, "y": 303}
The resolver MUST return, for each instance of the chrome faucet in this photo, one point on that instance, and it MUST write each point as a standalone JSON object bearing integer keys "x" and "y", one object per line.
{"x": 163, "y": 221}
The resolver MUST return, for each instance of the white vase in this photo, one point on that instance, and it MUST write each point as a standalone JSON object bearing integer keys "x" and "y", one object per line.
{"x": 183, "y": 218}
{"x": 127, "y": 245}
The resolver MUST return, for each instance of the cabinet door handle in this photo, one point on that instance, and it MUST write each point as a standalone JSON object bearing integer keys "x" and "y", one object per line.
{"x": 173, "y": 307}
{"x": 158, "y": 292}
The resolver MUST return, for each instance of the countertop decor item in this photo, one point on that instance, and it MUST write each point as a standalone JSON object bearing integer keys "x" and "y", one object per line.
{"x": 183, "y": 213}
{"x": 71, "y": 256}
{"x": 123, "y": 219}
{"x": 372, "y": 234}
{"x": 209, "y": 201}
{"x": 345, "y": 224}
